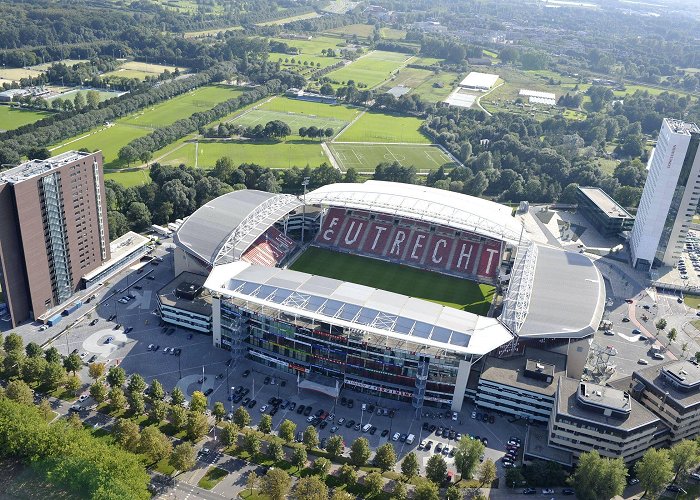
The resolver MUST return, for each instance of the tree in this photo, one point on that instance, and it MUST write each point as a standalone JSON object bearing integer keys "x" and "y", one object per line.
{"x": 327, "y": 89}
{"x": 347, "y": 475}
{"x": 436, "y": 469}
{"x": 359, "y": 452}
{"x": 311, "y": 488}
{"x": 53, "y": 376}
{"x": 374, "y": 482}
{"x": 12, "y": 343}
{"x": 33, "y": 368}
{"x": 672, "y": 335}
{"x": 79, "y": 101}
{"x": 127, "y": 434}
{"x": 44, "y": 407}
{"x": 661, "y": 324}
{"x": 219, "y": 411}
{"x": 178, "y": 417}
{"x": 251, "y": 481}
{"x": 72, "y": 363}
{"x": 467, "y": 456}
{"x": 98, "y": 392}
{"x": 177, "y": 397}
{"x": 654, "y": 471}
{"x": 299, "y": 457}
{"x": 685, "y": 456}
{"x": 287, "y": 430}
{"x": 426, "y": 490}
{"x": 197, "y": 426}
{"x": 52, "y": 355}
{"x": 487, "y": 472}
{"x": 310, "y": 437}
{"x": 137, "y": 403}
{"x": 18, "y": 390}
{"x": 159, "y": 410}
{"x": 139, "y": 216}
{"x": 276, "y": 484}
{"x": 116, "y": 376}
{"x": 136, "y": 384}
{"x": 92, "y": 99}
{"x": 399, "y": 492}
{"x": 33, "y": 350}
{"x": 385, "y": 457}
{"x": 410, "y": 466}
{"x": 198, "y": 402}
{"x": 334, "y": 446}
{"x": 339, "y": 494}
{"x": 453, "y": 492}
{"x": 73, "y": 384}
{"x": 598, "y": 477}
{"x": 265, "y": 424}
{"x": 241, "y": 417}
{"x": 156, "y": 391}
{"x": 154, "y": 444}
{"x": 117, "y": 399}
{"x": 96, "y": 370}
{"x": 183, "y": 457}
{"x": 322, "y": 466}
{"x": 275, "y": 451}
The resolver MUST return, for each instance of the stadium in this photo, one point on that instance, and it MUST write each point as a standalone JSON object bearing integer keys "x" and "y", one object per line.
{"x": 389, "y": 289}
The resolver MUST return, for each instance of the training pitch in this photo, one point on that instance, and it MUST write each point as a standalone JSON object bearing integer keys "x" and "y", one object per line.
{"x": 446, "y": 290}
{"x": 365, "y": 157}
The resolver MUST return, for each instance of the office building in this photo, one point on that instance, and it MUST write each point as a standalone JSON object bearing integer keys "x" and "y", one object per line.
{"x": 670, "y": 197}
{"x": 53, "y": 231}
{"x": 183, "y": 303}
{"x": 590, "y": 417}
{"x": 604, "y": 213}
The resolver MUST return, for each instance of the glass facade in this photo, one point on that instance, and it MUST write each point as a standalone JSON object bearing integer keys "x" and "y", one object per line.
{"x": 56, "y": 238}
{"x": 360, "y": 361}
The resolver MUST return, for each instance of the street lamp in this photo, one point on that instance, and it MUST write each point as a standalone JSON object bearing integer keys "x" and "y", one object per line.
{"x": 304, "y": 183}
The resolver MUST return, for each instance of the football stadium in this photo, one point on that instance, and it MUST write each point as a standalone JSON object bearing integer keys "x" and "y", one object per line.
{"x": 394, "y": 290}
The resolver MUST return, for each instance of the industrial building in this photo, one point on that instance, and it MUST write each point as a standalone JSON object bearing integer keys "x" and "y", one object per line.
{"x": 53, "y": 231}
{"x": 607, "y": 216}
{"x": 670, "y": 197}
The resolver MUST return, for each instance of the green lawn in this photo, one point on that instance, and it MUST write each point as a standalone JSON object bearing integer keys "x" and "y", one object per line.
{"x": 393, "y": 34}
{"x": 385, "y": 127}
{"x": 422, "y": 82}
{"x": 371, "y": 69}
{"x": 182, "y": 106}
{"x": 361, "y": 30}
{"x": 445, "y": 290}
{"x": 308, "y": 15}
{"x": 313, "y": 46}
{"x": 692, "y": 301}
{"x": 213, "y": 476}
{"x": 267, "y": 153}
{"x": 294, "y": 120}
{"x": 313, "y": 109}
{"x": 365, "y": 157}
{"x": 12, "y": 118}
{"x": 129, "y": 178}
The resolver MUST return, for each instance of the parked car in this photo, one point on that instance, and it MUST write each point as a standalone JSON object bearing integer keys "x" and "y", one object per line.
{"x": 208, "y": 391}
{"x": 547, "y": 491}
{"x": 252, "y": 404}
{"x": 246, "y": 373}
{"x": 529, "y": 491}
{"x": 263, "y": 408}
{"x": 568, "y": 491}
{"x": 396, "y": 436}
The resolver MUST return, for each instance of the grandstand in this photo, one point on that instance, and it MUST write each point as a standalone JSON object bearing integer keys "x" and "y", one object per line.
{"x": 351, "y": 332}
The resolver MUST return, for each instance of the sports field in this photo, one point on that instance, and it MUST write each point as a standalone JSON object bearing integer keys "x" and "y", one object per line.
{"x": 445, "y": 290}
{"x": 365, "y": 157}
{"x": 12, "y": 118}
{"x": 300, "y": 17}
{"x": 385, "y": 127}
{"x": 294, "y": 120}
{"x": 140, "y": 70}
{"x": 130, "y": 178}
{"x": 371, "y": 69}
{"x": 108, "y": 139}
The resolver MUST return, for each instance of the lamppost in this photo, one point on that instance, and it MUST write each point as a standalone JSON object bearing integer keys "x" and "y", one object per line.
{"x": 304, "y": 183}
{"x": 179, "y": 367}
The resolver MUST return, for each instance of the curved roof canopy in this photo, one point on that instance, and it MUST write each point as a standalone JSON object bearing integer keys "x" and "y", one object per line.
{"x": 224, "y": 228}
{"x": 423, "y": 203}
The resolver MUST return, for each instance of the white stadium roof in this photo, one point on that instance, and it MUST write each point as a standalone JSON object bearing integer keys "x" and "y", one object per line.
{"x": 423, "y": 203}
{"x": 359, "y": 307}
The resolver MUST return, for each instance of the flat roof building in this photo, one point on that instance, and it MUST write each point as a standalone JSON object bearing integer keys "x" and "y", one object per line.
{"x": 479, "y": 81}
{"x": 124, "y": 250}
{"x": 670, "y": 197}
{"x": 184, "y": 302}
{"x": 607, "y": 216}
{"x": 53, "y": 230}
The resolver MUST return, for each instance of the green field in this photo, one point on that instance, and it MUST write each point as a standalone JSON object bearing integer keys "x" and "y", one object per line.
{"x": 365, "y": 157}
{"x": 12, "y": 118}
{"x": 371, "y": 69}
{"x": 266, "y": 153}
{"x": 384, "y": 127}
{"x": 313, "y": 109}
{"x": 446, "y": 290}
{"x": 294, "y": 120}
{"x": 361, "y": 30}
{"x": 393, "y": 34}
{"x": 308, "y": 15}
{"x": 422, "y": 82}
{"x": 129, "y": 178}
{"x": 313, "y": 46}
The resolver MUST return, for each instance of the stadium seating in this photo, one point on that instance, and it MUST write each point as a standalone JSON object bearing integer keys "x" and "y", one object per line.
{"x": 410, "y": 242}
{"x": 270, "y": 249}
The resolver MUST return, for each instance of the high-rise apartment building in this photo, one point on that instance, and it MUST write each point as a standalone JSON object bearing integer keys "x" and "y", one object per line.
{"x": 670, "y": 196}
{"x": 53, "y": 230}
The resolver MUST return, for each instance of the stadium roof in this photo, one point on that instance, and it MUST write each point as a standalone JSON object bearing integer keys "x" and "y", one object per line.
{"x": 224, "y": 228}
{"x": 425, "y": 204}
{"x": 567, "y": 298}
{"x": 359, "y": 307}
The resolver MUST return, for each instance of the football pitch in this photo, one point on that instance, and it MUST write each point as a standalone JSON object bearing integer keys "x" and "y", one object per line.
{"x": 294, "y": 120}
{"x": 365, "y": 157}
{"x": 434, "y": 287}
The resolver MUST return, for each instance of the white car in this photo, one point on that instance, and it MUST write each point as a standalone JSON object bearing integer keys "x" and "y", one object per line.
{"x": 82, "y": 398}
{"x": 657, "y": 355}
{"x": 150, "y": 347}
{"x": 642, "y": 361}
{"x": 547, "y": 491}
{"x": 43, "y": 327}
{"x": 396, "y": 436}
{"x": 263, "y": 408}
{"x": 454, "y": 416}
{"x": 422, "y": 444}
{"x": 474, "y": 414}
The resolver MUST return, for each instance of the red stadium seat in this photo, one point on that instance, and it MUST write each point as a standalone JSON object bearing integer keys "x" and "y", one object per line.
{"x": 270, "y": 249}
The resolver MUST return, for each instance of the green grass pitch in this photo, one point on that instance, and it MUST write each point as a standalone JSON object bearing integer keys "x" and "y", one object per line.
{"x": 12, "y": 118}
{"x": 365, "y": 157}
{"x": 294, "y": 120}
{"x": 385, "y": 127}
{"x": 434, "y": 287}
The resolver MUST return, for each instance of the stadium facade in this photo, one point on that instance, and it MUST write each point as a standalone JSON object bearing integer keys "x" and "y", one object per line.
{"x": 338, "y": 335}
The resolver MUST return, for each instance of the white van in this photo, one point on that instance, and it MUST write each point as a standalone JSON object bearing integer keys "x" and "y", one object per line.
{"x": 410, "y": 439}
{"x": 366, "y": 427}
